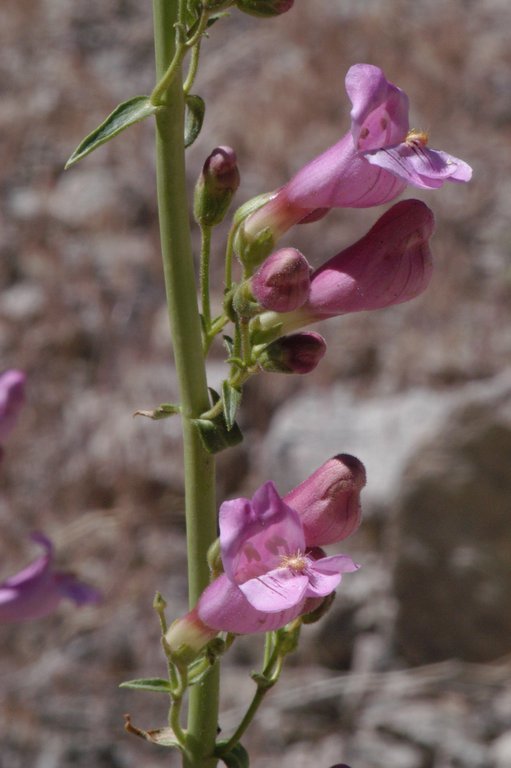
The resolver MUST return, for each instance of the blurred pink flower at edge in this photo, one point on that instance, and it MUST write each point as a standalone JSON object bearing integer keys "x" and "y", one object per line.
{"x": 37, "y": 589}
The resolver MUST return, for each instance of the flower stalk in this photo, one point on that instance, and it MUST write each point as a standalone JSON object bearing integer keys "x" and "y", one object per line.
{"x": 185, "y": 326}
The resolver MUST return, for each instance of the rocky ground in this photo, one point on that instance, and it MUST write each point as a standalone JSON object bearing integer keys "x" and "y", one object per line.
{"x": 411, "y": 668}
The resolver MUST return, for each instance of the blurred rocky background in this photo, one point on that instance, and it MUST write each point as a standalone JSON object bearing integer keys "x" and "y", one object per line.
{"x": 412, "y": 667}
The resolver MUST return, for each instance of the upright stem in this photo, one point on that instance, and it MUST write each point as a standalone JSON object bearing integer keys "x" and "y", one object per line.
{"x": 185, "y": 326}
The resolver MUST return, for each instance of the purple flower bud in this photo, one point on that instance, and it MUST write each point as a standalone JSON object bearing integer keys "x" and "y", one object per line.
{"x": 12, "y": 398}
{"x": 37, "y": 590}
{"x": 296, "y": 353}
{"x": 264, "y": 8}
{"x": 187, "y": 636}
{"x": 328, "y": 502}
{"x": 282, "y": 282}
{"x": 216, "y": 186}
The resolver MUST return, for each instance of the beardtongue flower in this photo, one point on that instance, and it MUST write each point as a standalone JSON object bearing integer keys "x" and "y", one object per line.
{"x": 37, "y": 590}
{"x": 328, "y": 501}
{"x": 269, "y": 576}
{"x": 391, "y": 264}
{"x": 370, "y": 165}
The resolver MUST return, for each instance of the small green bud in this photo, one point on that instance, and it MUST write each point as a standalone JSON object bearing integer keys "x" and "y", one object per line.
{"x": 265, "y": 8}
{"x": 253, "y": 250}
{"x": 216, "y": 186}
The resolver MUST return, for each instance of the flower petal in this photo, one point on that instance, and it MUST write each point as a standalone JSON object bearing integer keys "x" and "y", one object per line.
{"x": 379, "y": 116}
{"x": 254, "y": 535}
{"x": 390, "y": 264}
{"x": 420, "y": 166}
{"x": 339, "y": 178}
{"x": 224, "y": 607}
{"x": 277, "y": 590}
{"x": 326, "y": 574}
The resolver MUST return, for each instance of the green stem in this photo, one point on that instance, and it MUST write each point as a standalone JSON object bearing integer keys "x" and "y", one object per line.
{"x": 272, "y": 668}
{"x": 185, "y": 325}
{"x": 204, "y": 277}
{"x": 192, "y": 71}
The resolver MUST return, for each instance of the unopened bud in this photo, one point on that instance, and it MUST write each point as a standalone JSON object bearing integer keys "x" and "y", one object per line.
{"x": 296, "y": 353}
{"x": 265, "y": 8}
{"x": 187, "y": 636}
{"x": 282, "y": 282}
{"x": 328, "y": 502}
{"x": 216, "y": 186}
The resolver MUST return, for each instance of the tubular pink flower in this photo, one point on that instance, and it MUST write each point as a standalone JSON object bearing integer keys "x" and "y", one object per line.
{"x": 269, "y": 574}
{"x": 391, "y": 264}
{"x": 328, "y": 502}
{"x": 370, "y": 165}
{"x": 37, "y": 590}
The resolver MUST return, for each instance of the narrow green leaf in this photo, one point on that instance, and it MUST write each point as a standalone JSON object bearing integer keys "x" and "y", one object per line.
{"x": 231, "y": 398}
{"x": 126, "y": 114}
{"x": 157, "y": 684}
{"x": 163, "y": 411}
{"x": 236, "y": 758}
{"x": 195, "y": 109}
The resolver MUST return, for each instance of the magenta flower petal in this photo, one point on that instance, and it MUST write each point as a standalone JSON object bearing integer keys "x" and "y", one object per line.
{"x": 328, "y": 501}
{"x": 391, "y": 264}
{"x": 254, "y": 535}
{"x": 420, "y": 166}
{"x": 379, "y": 116}
{"x": 338, "y": 178}
{"x": 326, "y": 574}
{"x": 224, "y": 607}
{"x": 276, "y": 590}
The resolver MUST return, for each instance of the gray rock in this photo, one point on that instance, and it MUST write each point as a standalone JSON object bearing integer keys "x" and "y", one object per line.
{"x": 453, "y": 572}
{"x": 501, "y": 751}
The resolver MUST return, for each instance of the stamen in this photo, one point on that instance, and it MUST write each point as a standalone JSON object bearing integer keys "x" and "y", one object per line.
{"x": 296, "y": 562}
{"x": 416, "y": 138}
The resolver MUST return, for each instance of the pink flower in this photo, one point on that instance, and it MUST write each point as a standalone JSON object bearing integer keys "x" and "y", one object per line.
{"x": 370, "y": 165}
{"x": 391, "y": 264}
{"x": 37, "y": 590}
{"x": 328, "y": 501}
{"x": 12, "y": 398}
{"x": 270, "y": 576}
